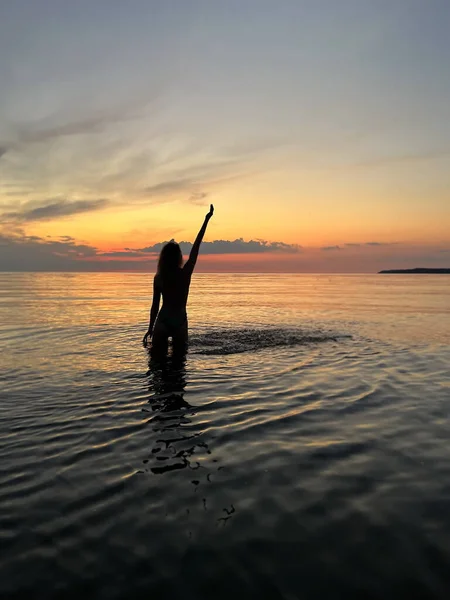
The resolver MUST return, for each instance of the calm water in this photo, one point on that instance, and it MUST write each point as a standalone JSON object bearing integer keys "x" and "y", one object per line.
{"x": 302, "y": 452}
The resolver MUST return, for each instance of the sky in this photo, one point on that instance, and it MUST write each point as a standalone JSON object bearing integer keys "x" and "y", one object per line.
{"x": 319, "y": 129}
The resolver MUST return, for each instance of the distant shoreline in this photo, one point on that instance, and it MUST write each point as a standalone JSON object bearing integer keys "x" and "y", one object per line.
{"x": 418, "y": 271}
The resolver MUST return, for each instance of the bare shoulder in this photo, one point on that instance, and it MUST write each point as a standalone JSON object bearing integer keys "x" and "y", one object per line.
{"x": 156, "y": 280}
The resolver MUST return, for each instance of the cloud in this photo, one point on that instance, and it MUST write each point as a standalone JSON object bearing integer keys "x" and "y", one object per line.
{"x": 93, "y": 124}
{"x": 362, "y": 244}
{"x": 168, "y": 187}
{"x": 20, "y": 252}
{"x": 123, "y": 166}
{"x": 355, "y": 245}
{"x": 45, "y": 130}
{"x": 238, "y": 246}
{"x": 196, "y": 180}
{"x": 198, "y": 197}
{"x": 128, "y": 153}
{"x": 403, "y": 158}
{"x": 127, "y": 253}
{"x": 187, "y": 186}
{"x": 53, "y": 209}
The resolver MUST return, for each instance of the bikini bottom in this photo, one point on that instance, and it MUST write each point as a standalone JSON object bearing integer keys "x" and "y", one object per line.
{"x": 173, "y": 320}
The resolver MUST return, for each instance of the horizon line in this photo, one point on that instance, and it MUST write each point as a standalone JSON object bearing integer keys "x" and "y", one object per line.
{"x": 209, "y": 272}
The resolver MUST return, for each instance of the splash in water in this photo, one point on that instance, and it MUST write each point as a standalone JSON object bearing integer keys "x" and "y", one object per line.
{"x": 234, "y": 341}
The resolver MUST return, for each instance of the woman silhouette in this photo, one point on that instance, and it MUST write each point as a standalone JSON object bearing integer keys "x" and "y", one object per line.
{"x": 172, "y": 280}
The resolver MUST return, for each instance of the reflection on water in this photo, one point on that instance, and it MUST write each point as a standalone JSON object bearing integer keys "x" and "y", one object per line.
{"x": 173, "y": 447}
{"x": 176, "y": 444}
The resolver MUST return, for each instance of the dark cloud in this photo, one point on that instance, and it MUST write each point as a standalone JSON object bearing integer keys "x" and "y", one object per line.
{"x": 53, "y": 209}
{"x": 238, "y": 246}
{"x": 32, "y": 253}
{"x": 330, "y": 248}
{"x": 20, "y": 252}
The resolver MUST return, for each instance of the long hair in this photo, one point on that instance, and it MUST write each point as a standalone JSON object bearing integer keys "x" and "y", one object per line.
{"x": 170, "y": 261}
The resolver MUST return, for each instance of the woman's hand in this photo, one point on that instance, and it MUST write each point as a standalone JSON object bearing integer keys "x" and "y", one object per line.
{"x": 211, "y": 212}
{"x": 146, "y": 336}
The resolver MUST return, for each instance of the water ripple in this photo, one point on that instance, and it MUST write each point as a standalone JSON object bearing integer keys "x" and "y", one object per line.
{"x": 304, "y": 455}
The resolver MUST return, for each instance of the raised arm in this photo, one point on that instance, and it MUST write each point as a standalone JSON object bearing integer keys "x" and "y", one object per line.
{"x": 190, "y": 264}
{"x": 154, "y": 310}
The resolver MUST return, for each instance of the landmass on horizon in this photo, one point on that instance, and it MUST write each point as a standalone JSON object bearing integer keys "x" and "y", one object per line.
{"x": 417, "y": 270}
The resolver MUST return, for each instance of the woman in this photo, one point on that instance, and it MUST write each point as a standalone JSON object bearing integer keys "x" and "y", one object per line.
{"x": 172, "y": 280}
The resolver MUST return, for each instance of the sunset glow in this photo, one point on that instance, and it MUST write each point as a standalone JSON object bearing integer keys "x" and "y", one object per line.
{"x": 318, "y": 126}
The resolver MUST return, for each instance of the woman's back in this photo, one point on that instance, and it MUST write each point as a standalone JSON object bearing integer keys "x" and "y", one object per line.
{"x": 174, "y": 287}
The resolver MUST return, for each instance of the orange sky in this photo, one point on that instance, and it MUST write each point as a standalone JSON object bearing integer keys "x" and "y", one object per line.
{"x": 315, "y": 129}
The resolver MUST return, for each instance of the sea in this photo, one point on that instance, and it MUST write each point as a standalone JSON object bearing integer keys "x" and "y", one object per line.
{"x": 302, "y": 449}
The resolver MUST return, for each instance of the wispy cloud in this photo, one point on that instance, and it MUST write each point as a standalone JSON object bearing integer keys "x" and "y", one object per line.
{"x": 404, "y": 158}
{"x": 362, "y": 244}
{"x": 50, "y": 128}
{"x": 169, "y": 187}
{"x": 379, "y": 243}
{"x": 198, "y": 198}
{"x": 52, "y": 209}
{"x": 93, "y": 124}
{"x": 127, "y": 154}
{"x": 208, "y": 168}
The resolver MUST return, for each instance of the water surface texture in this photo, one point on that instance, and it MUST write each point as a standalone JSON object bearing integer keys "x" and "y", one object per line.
{"x": 302, "y": 451}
